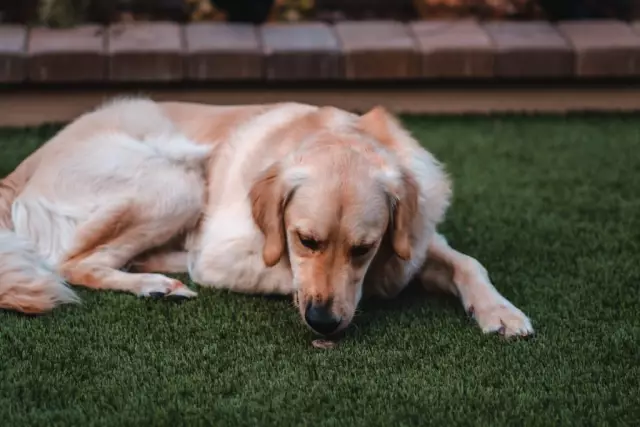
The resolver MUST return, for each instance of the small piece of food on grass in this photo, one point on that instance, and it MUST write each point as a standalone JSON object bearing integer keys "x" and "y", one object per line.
{"x": 323, "y": 344}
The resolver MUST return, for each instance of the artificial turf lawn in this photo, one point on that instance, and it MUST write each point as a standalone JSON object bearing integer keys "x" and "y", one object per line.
{"x": 550, "y": 205}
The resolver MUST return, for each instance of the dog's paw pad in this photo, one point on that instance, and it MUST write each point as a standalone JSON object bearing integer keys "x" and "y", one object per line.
{"x": 156, "y": 295}
{"x": 470, "y": 311}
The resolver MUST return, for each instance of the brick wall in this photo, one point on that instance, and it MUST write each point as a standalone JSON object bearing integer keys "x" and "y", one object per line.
{"x": 362, "y": 50}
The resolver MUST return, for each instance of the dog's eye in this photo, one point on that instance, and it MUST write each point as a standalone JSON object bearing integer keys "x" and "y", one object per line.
{"x": 359, "y": 251}
{"x": 310, "y": 243}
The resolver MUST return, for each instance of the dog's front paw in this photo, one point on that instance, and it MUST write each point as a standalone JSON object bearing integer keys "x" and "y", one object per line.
{"x": 502, "y": 318}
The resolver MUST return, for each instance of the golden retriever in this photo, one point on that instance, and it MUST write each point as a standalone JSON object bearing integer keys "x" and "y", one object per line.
{"x": 316, "y": 202}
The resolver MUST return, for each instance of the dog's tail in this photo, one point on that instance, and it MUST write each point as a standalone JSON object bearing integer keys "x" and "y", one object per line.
{"x": 27, "y": 283}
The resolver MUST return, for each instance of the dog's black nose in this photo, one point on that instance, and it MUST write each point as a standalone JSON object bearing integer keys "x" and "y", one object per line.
{"x": 320, "y": 318}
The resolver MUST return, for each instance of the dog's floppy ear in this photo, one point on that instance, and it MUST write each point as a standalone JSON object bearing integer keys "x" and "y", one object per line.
{"x": 267, "y": 206}
{"x": 403, "y": 193}
{"x": 404, "y": 208}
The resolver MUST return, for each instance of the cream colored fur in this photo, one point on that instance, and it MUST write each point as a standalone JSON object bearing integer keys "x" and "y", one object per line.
{"x": 230, "y": 194}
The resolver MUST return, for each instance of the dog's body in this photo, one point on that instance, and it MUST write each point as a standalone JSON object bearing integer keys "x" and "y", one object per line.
{"x": 288, "y": 198}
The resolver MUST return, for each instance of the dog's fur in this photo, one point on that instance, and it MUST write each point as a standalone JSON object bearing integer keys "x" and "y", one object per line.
{"x": 289, "y": 198}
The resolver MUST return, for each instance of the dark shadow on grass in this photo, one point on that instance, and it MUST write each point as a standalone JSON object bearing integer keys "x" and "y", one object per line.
{"x": 373, "y": 314}
{"x": 18, "y": 314}
{"x": 377, "y": 313}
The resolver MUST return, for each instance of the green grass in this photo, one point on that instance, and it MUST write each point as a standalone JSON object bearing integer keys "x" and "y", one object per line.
{"x": 550, "y": 205}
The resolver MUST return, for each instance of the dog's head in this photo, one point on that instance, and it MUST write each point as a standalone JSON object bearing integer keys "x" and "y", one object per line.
{"x": 329, "y": 208}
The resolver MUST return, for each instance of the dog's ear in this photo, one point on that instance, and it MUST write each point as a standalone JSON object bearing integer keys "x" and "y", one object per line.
{"x": 403, "y": 212}
{"x": 381, "y": 125}
{"x": 267, "y": 206}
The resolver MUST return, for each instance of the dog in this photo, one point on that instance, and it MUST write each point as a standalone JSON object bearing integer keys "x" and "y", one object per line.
{"x": 315, "y": 202}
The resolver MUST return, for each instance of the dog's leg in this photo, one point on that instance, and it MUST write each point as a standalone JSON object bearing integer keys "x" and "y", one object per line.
{"x": 109, "y": 241}
{"x": 451, "y": 271}
{"x": 99, "y": 270}
{"x": 162, "y": 262}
